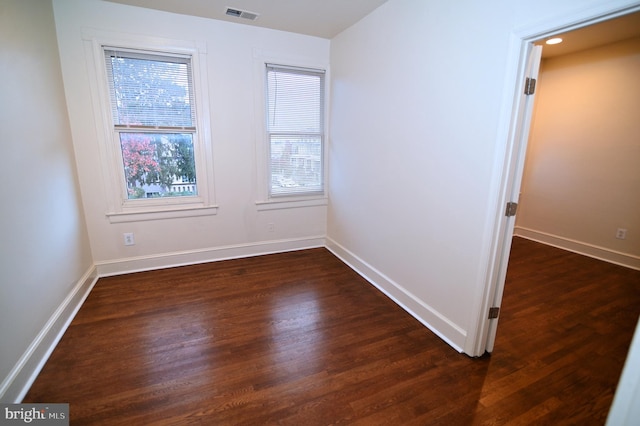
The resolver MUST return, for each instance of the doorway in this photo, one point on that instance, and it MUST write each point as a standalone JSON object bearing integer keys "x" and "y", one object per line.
{"x": 515, "y": 164}
{"x": 583, "y": 151}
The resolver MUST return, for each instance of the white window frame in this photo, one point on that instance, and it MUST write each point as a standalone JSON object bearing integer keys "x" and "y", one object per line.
{"x": 264, "y": 200}
{"x": 120, "y": 207}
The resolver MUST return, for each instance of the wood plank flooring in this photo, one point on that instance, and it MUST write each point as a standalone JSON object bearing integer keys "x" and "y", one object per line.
{"x": 300, "y": 339}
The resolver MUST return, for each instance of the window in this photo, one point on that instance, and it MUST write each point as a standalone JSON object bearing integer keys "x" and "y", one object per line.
{"x": 295, "y": 130}
{"x": 154, "y": 123}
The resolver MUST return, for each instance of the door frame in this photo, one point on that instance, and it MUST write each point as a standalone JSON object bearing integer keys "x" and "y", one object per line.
{"x": 515, "y": 127}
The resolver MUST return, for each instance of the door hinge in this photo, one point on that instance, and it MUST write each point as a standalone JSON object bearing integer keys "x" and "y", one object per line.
{"x": 529, "y": 86}
{"x": 493, "y": 312}
{"x": 511, "y": 209}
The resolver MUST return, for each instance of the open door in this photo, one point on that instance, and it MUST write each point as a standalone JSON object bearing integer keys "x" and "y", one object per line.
{"x": 523, "y": 124}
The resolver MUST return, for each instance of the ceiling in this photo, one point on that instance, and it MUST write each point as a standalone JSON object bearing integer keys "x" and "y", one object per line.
{"x": 320, "y": 18}
{"x": 327, "y": 18}
{"x": 595, "y": 35}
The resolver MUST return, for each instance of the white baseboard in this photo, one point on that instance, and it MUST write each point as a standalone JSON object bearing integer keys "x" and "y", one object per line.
{"x": 600, "y": 253}
{"x": 427, "y": 315}
{"x": 16, "y": 385}
{"x": 193, "y": 257}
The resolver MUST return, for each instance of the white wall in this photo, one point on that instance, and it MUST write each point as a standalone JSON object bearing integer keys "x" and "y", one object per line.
{"x": 44, "y": 248}
{"x": 418, "y": 142}
{"x": 625, "y": 409}
{"x": 230, "y": 67}
{"x": 582, "y": 177}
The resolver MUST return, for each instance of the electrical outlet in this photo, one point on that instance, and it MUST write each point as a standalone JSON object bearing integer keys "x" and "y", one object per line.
{"x": 271, "y": 227}
{"x": 621, "y": 233}
{"x": 128, "y": 239}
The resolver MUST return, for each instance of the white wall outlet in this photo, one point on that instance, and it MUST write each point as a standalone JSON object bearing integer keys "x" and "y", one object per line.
{"x": 621, "y": 233}
{"x": 128, "y": 239}
{"x": 271, "y": 227}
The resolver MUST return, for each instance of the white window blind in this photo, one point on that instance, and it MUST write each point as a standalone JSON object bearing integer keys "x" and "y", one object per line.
{"x": 150, "y": 90}
{"x": 295, "y": 128}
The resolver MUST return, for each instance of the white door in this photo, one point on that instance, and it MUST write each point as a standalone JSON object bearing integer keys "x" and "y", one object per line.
{"x": 523, "y": 123}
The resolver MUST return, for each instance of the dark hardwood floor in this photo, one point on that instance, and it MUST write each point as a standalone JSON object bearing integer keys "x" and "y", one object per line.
{"x": 300, "y": 339}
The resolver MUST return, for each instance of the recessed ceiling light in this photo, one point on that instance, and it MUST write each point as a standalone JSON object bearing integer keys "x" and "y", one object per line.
{"x": 555, "y": 40}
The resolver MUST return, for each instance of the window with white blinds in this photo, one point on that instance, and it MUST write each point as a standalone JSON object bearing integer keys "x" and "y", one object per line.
{"x": 153, "y": 112}
{"x": 295, "y": 130}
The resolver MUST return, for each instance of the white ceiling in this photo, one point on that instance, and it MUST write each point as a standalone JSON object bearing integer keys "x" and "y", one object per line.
{"x": 320, "y": 18}
{"x": 596, "y": 35}
{"x": 327, "y": 18}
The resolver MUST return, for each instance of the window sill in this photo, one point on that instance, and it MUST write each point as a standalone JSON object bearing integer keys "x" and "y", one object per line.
{"x": 288, "y": 203}
{"x": 170, "y": 213}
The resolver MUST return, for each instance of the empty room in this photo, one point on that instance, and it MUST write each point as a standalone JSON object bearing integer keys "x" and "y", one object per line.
{"x": 249, "y": 212}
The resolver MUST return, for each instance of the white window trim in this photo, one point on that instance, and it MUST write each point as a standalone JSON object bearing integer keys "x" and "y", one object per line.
{"x": 264, "y": 201}
{"x": 119, "y": 207}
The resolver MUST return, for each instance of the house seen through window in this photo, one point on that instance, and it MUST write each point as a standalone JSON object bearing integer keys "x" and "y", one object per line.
{"x": 153, "y": 110}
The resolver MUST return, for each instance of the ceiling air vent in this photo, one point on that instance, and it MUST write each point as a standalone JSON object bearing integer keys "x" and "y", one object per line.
{"x": 242, "y": 14}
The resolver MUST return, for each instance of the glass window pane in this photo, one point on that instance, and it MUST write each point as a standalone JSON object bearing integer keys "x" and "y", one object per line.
{"x": 296, "y": 164}
{"x": 158, "y": 164}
